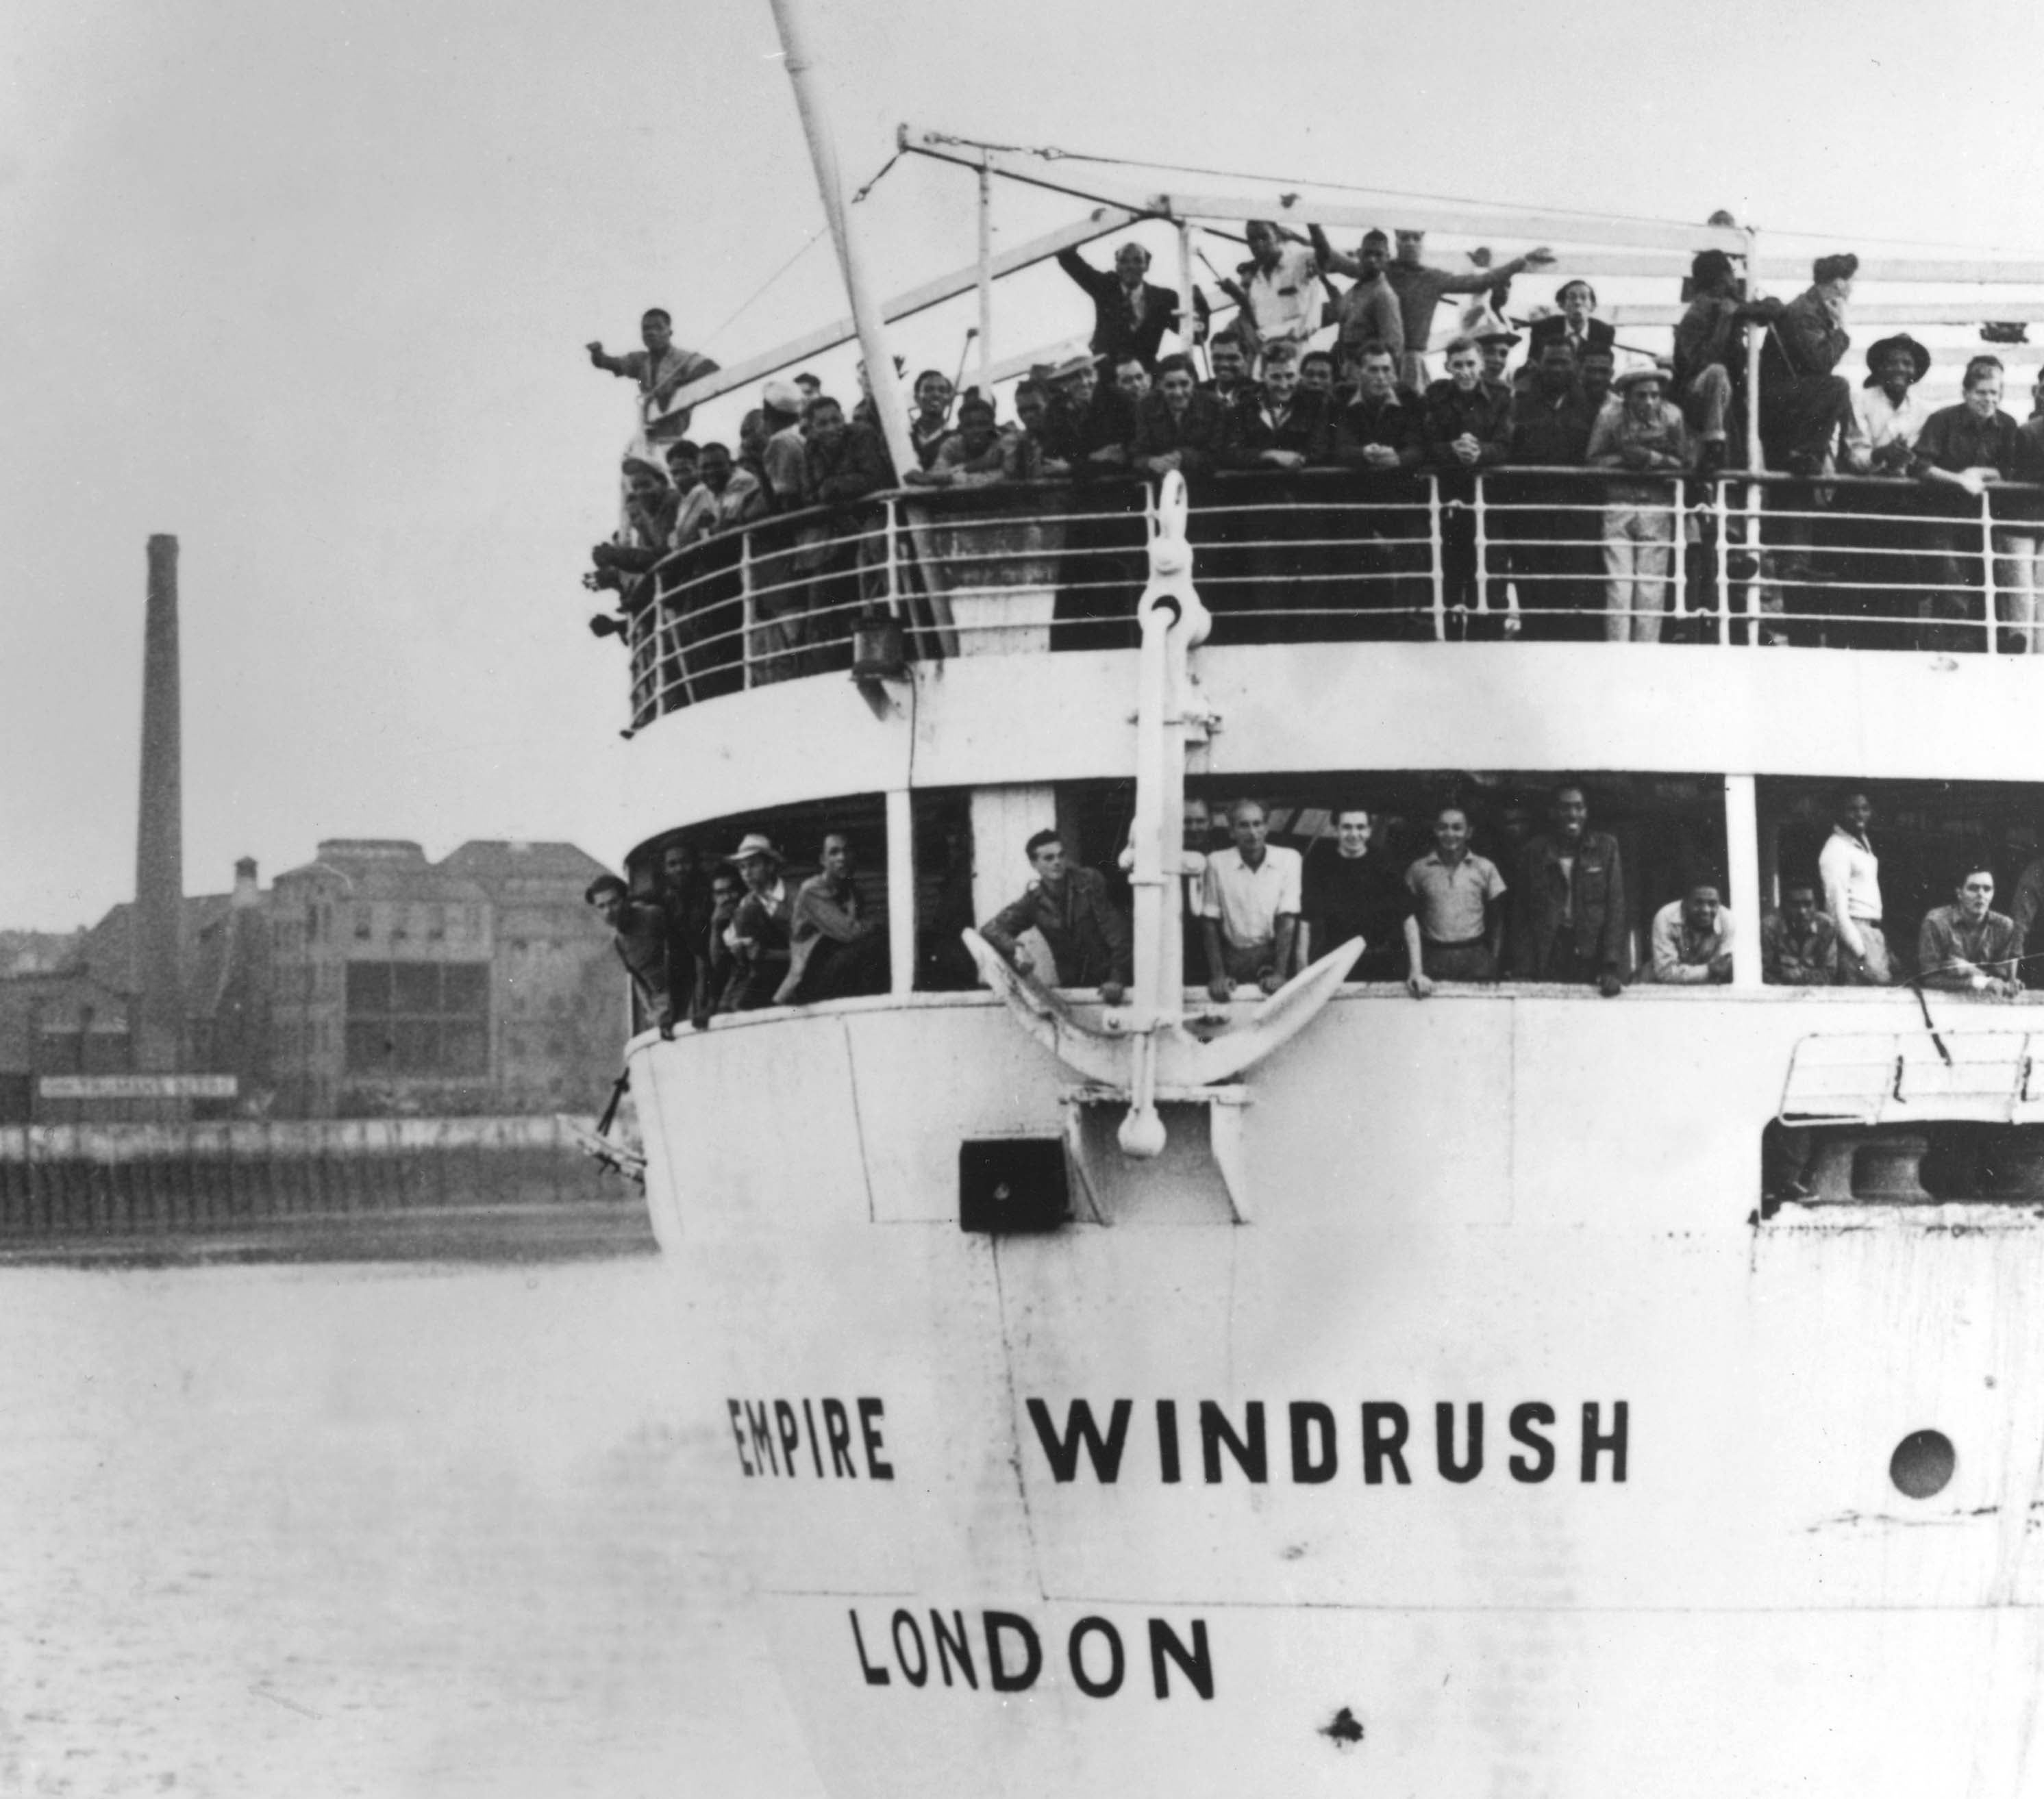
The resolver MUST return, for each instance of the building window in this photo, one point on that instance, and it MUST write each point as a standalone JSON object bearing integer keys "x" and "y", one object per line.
{"x": 428, "y": 1018}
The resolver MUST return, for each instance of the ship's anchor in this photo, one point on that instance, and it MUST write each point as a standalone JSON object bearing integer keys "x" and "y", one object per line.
{"x": 1144, "y": 1051}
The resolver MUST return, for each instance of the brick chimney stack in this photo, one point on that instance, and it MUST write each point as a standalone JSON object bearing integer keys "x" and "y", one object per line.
{"x": 247, "y": 890}
{"x": 158, "y": 1022}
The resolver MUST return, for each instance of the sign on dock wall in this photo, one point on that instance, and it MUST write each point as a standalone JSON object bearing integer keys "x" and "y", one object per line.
{"x": 139, "y": 1086}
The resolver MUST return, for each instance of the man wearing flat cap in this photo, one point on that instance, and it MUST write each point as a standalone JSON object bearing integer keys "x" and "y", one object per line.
{"x": 1803, "y": 404}
{"x": 1495, "y": 341}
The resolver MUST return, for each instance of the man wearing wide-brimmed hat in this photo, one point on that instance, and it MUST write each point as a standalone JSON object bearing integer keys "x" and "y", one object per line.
{"x": 759, "y": 933}
{"x": 1887, "y": 412}
{"x": 1643, "y": 435}
{"x": 1877, "y": 525}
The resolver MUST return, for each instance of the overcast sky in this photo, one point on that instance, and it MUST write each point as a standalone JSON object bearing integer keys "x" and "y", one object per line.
{"x": 307, "y": 287}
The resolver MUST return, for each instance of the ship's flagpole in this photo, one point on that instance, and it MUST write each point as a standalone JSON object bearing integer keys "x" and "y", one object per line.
{"x": 866, "y": 312}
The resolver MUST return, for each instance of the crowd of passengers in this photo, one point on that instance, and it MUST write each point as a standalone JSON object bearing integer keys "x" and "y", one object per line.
{"x": 743, "y": 934}
{"x": 1268, "y": 399}
{"x": 1256, "y": 913}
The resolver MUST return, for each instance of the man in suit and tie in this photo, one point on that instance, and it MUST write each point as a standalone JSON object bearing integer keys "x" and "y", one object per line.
{"x": 1576, "y": 321}
{"x": 1131, "y": 314}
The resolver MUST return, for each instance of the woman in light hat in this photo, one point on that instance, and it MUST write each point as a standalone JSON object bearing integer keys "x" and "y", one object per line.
{"x": 758, "y": 934}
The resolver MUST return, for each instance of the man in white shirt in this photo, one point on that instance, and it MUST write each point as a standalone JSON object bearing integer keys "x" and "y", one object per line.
{"x": 1851, "y": 874}
{"x": 1691, "y": 939}
{"x": 1880, "y": 523}
{"x": 1281, "y": 293}
{"x": 1887, "y": 412}
{"x": 1248, "y": 905}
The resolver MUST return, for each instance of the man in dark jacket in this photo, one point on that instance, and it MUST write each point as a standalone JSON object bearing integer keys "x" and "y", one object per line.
{"x": 1550, "y": 525}
{"x": 1569, "y": 921}
{"x": 638, "y": 934}
{"x": 1275, "y": 428}
{"x": 1277, "y": 424}
{"x": 1068, "y": 906}
{"x": 847, "y": 463}
{"x": 1382, "y": 433}
{"x": 1130, "y": 315}
{"x": 1466, "y": 424}
{"x": 1960, "y": 452}
{"x": 837, "y": 948}
{"x": 1576, "y": 321}
{"x": 1802, "y": 404}
{"x": 1178, "y": 425}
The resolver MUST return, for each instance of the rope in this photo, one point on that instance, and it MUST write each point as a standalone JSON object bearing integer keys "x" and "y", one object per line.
{"x": 762, "y": 288}
{"x": 1051, "y": 153}
{"x": 876, "y": 180}
{"x": 748, "y": 300}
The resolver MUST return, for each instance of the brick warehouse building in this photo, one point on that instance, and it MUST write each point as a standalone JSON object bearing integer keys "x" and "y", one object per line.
{"x": 368, "y": 982}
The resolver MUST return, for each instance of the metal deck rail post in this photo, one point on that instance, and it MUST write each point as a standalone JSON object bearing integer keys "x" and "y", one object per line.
{"x": 745, "y": 608}
{"x": 1482, "y": 551}
{"x": 891, "y": 525}
{"x": 1989, "y": 607}
{"x": 1434, "y": 557}
{"x": 1723, "y": 512}
{"x": 1753, "y": 547}
{"x": 1678, "y": 557}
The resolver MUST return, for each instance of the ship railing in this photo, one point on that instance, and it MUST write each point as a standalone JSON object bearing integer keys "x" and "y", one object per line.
{"x": 1512, "y": 552}
{"x": 1889, "y": 1077}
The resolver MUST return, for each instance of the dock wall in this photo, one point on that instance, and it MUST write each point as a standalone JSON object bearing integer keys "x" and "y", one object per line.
{"x": 118, "y": 1180}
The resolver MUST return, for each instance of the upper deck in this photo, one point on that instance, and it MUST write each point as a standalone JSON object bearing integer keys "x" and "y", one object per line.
{"x": 1341, "y": 640}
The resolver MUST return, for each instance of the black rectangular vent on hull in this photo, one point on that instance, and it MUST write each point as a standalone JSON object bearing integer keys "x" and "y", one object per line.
{"x": 1008, "y": 1184}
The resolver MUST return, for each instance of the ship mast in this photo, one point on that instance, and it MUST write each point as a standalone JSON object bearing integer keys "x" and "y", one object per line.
{"x": 866, "y": 312}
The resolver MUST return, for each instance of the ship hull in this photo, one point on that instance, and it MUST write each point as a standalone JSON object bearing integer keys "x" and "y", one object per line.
{"x": 1477, "y": 1436}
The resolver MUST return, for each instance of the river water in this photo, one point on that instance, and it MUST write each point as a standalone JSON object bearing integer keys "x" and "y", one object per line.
{"x": 388, "y": 1530}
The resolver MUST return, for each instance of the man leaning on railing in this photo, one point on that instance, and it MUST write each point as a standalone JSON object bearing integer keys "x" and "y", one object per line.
{"x": 1068, "y": 907}
{"x": 1967, "y": 947}
{"x": 1645, "y": 435}
{"x": 1962, "y": 451}
{"x": 1546, "y": 522}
